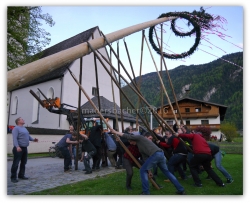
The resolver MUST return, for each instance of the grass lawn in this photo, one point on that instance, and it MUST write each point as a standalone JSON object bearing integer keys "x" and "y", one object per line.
{"x": 35, "y": 155}
{"x": 114, "y": 184}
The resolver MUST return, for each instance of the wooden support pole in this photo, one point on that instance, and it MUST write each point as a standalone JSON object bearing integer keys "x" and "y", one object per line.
{"x": 159, "y": 119}
{"x": 79, "y": 115}
{"x": 125, "y": 70}
{"x": 164, "y": 89}
{"x": 119, "y": 79}
{"x": 146, "y": 124}
{"x": 135, "y": 82}
{"x": 101, "y": 117}
{"x": 170, "y": 81}
{"x": 161, "y": 72}
{"x": 140, "y": 78}
{"x": 113, "y": 94}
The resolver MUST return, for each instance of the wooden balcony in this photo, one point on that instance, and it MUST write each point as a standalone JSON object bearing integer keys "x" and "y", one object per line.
{"x": 213, "y": 127}
{"x": 190, "y": 115}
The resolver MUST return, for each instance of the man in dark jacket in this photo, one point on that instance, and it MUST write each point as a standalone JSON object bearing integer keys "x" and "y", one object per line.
{"x": 95, "y": 138}
{"x": 63, "y": 145}
{"x": 179, "y": 153}
{"x": 88, "y": 147}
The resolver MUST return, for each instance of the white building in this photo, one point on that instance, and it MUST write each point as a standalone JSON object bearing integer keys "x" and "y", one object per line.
{"x": 59, "y": 83}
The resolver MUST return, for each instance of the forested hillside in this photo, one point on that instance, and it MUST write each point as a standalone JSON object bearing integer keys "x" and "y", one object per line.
{"x": 218, "y": 81}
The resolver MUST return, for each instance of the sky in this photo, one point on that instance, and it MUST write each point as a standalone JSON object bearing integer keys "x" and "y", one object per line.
{"x": 70, "y": 22}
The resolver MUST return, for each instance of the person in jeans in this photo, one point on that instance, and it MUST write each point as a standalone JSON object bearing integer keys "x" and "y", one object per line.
{"x": 73, "y": 149}
{"x": 111, "y": 148}
{"x": 217, "y": 156}
{"x": 201, "y": 156}
{"x": 65, "y": 145}
{"x": 21, "y": 138}
{"x": 179, "y": 153}
{"x": 152, "y": 155}
{"x": 128, "y": 163}
{"x": 88, "y": 147}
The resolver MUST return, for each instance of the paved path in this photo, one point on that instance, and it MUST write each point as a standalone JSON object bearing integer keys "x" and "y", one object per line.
{"x": 45, "y": 173}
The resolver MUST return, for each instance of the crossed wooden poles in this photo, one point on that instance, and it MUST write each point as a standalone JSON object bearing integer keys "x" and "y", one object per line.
{"x": 134, "y": 89}
{"x": 101, "y": 117}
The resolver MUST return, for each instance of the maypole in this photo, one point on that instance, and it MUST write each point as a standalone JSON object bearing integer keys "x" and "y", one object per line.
{"x": 29, "y": 72}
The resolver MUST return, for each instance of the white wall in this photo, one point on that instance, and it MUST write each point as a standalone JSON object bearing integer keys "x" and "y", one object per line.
{"x": 43, "y": 144}
{"x": 69, "y": 94}
{"x": 198, "y": 121}
{"x": 25, "y": 106}
{"x": 71, "y": 89}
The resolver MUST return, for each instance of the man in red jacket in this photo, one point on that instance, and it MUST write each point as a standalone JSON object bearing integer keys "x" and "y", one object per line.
{"x": 202, "y": 156}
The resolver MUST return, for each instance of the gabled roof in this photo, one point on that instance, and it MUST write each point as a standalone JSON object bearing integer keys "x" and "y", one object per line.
{"x": 222, "y": 108}
{"x": 66, "y": 44}
{"x": 107, "y": 110}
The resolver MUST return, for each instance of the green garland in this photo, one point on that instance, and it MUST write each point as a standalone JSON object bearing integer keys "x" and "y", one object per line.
{"x": 199, "y": 20}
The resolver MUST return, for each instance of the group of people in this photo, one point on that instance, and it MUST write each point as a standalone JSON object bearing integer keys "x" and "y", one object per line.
{"x": 170, "y": 152}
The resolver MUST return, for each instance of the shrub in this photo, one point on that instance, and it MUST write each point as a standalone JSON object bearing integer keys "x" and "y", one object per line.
{"x": 230, "y": 131}
{"x": 206, "y": 132}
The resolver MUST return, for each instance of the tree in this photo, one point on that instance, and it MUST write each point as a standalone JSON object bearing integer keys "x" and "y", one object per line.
{"x": 25, "y": 37}
{"x": 230, "y": 131}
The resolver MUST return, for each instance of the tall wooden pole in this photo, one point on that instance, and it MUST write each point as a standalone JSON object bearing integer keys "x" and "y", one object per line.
{"x": 171, "y": 84}
{"x": 161, "y": 58}
{"x": 159, "y": 119}
{"x": 29, "y": 72}
{"x": 140, "y": 78}
{"x": 119, "y": 79}
{"x": 79, "y": 115}
{"x": 162, "y": 84}
{"x": 101, "y": 117}
{"x": 117, "y": 84}
{"x": 145, "y": 116}
{"x": 113, "y": 94}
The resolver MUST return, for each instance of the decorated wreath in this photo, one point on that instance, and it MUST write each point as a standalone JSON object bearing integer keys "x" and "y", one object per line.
{"x": 198, "y": 19}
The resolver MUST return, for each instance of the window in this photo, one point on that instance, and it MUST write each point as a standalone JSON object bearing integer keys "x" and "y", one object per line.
{"x": 187, "y": 110}
{"x": 50, "y": 93}
{"x": 35, "y": 112}
{"x": 170, "y": 123}
{"x": 165, "y": 110}
{"x": 197, "y": 109}
{"x": 14, "y": 105}
{"x": 175, "y": 110}
{"x": 204, "y": 122}
{"x": 94, "y": 91}
{"x": 187, "y": 122}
